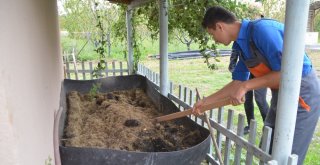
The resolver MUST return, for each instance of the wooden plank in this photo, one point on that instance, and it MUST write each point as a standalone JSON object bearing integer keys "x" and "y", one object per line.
{"x": 241, "y": 141}
{"x": 83, "y": 73}
{"x": 180, "y": 102}
{"x": 220, "y": 121}
{"x": 202, "y": 121}
{"x": 180, "y": 95}
{"x": 272, "y": 162}
{"x": 113, "y": 68}
{"x": 158, "y": 79}
{"x": 68, "y": 71}
{"x": 75, "y": 63}
{"x": 64, "y": 71}
{"x": 191, "y": 100}
{"x": 265, "y": 141}
{"x": 154, "y": 78}
{"x": 185, "y": 89}
{"x": 252, "y": 140}
{"x": 121, "y": 69}
{"x": 171, "y": 87}
{"x": 150, "y": 74}
{"x": 237, "y": 156}
{"x": 293, "y": 159}
{"x": 228, "y": 141}
{"x": 145, "y": 72}
{"x": 107, "y": 70}
{"x": 91, "y": 70}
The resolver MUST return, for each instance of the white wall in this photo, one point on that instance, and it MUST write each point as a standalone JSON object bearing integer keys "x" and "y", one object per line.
{"x": 31, "y": 75}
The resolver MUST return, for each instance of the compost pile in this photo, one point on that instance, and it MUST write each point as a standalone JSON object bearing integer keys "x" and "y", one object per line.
{"x": 122, "y": 120}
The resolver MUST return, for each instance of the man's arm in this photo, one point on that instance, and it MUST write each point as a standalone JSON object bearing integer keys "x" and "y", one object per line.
{"x": 221, "y": 94}
{"x": 236, "y": 90}
{"x": 271, "y": 80}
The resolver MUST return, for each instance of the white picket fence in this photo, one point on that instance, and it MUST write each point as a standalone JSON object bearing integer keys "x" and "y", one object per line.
{"x": 85, "y": 70}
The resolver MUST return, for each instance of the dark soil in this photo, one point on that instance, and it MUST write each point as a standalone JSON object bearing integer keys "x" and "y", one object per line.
{"x": 123, "y": 120}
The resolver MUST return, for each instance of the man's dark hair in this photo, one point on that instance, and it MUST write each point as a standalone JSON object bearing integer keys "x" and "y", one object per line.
{"x": 217, "y": 14}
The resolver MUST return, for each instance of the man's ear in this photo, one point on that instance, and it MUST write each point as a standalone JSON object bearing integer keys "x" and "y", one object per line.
{"x": 219, "y": 26}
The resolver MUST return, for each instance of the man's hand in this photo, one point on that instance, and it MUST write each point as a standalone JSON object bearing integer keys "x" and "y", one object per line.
{"x": 196, "y": 110}
{"x": 237, "y": 97}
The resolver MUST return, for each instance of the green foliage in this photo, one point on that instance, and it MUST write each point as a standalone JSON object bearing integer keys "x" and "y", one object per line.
{"x": 91, "y": 17}
{"x": 48, "y": 161}
{"x": 101, "y": 49}
{"x": 274, "y": 9}
{"x": 94, "y": 90}
{"x": 86, "y": 54}
{"x": 184, "y": 15}
{"x": 79, "y": 16}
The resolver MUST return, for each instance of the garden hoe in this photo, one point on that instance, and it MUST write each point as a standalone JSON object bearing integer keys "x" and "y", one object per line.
{"x": 216, "y": 148}
{"x": 216, "y": 104}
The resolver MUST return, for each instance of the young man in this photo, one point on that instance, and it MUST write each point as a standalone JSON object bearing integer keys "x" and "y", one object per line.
{"x": 260, "y": 43}
{"x": 260, "y": 95}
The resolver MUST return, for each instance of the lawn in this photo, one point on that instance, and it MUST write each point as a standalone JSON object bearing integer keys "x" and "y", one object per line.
{"x": 193, "y": 73}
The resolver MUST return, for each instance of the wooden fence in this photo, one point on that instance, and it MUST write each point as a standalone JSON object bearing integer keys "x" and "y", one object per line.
{"x": 84, "y": 70}
{"x": 233, "y": 145}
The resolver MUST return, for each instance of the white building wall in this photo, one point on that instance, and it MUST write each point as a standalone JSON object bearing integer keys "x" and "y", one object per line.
{"x": 31, "y": 74}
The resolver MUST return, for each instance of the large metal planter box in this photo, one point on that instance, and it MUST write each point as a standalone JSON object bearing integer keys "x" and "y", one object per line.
{"x": 93, "y": 156}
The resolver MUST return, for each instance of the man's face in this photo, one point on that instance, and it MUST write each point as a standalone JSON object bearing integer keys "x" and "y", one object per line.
{"x": 219, "y": 34}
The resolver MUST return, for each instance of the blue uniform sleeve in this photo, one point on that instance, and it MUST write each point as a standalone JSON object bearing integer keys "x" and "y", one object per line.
{"x": 269, "y": 41}
{"x": 240, "y": 71}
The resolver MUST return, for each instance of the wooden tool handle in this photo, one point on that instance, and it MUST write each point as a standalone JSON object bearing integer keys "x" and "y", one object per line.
{"x": 187, "y": 112}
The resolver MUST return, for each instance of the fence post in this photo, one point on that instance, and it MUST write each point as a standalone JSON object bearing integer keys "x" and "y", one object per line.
{"x": 237, "y": 156}
{"x": 228, "y": 141}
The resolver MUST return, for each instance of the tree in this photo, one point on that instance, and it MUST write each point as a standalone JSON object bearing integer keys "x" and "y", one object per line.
{"x": 186, "y": 16}
{"x": 274, "y": 9}
{"x": 317, "y": 21}
{"x": 183, "y": 37}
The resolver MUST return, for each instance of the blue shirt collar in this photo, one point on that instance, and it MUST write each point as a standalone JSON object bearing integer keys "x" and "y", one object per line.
{"x": 243, "y": 30}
